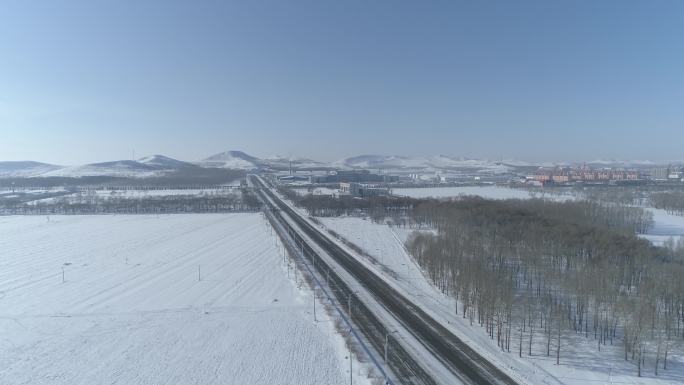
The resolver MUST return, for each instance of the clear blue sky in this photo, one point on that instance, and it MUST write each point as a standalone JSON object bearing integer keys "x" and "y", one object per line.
{"x": 85, "y": 81}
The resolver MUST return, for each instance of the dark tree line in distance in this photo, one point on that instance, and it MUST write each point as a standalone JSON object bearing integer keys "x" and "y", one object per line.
{"x": 377, "y": 207}
{"x": 91, "y": 203}
{"x": 190, "y": 175}
{"x": 671, "y": 201}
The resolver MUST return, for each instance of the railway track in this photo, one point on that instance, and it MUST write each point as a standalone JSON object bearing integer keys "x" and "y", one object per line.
{"x": 466, "y": 364}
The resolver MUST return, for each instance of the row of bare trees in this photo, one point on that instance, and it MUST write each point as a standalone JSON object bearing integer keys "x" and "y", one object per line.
{"x": 91, "y": 203}
{"x": 537, "y": 275}
{"x": 326, "y": 206}
{"x": 671, "y": 201}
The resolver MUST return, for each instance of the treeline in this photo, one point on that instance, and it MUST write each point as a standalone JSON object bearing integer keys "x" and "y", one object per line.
{"x": 377, "y": 207}
{"x": 668, "y": 197}
{"x": 96, "y": 204}
{"x": 401, "y": 209}
{"x": 672, "y": 201}
{"x": 189, "y": 175}
{"x": 529, "y": 271}
{"x": 625, "y": 219}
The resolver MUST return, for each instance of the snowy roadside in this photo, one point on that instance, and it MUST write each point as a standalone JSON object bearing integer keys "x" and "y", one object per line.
{"x": 581, "y": 365}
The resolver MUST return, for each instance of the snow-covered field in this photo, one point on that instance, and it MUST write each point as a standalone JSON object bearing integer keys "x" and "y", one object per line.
{"x": 317, "y": 191}
{"x": 175, "y": 299}
{"x": 30, "y": 192}
{"x": 84, "y": 196}
{"x": 490, "y": 192}
{"x": 580, "y": 362}
{"x": 666, "y": 226}
{"x": 165, "y": 192}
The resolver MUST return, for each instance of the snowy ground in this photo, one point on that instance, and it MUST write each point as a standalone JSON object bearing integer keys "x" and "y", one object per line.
{"x": 665, "y": 226}
{"x": 317, "y": 191}
{"x": 580, "y": 362}
{"x": 29, "y": 192}
{"x": 160, "y": 193}
{"x": 82, "y": 196}
{"x": 178, "y": 299}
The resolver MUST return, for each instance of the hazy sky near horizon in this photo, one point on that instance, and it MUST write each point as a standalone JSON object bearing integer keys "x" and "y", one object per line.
{"x": 89, "y": 80}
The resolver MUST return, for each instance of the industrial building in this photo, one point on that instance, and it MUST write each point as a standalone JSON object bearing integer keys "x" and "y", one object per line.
{"x": 668, "y": 173}
{"x": 362, "y": 190}
{"x": 359, "y": 176}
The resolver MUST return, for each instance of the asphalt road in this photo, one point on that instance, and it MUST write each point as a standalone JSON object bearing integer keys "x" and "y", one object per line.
{"x": 465, "y": 363}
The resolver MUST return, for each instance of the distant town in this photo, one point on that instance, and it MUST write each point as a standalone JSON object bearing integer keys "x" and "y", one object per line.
{"x": 364, "y": 183}
{"x": 585, "y": 174}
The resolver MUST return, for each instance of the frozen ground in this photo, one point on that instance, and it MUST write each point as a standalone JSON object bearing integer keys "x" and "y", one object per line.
{"x": 580, "y": 362}
{"x": 133, "y": 308}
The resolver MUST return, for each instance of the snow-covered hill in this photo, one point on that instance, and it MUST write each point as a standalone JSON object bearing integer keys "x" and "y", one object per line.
{"x": 438, "y": 162}
{"x": 623, "y": 163}
{"x": 232, "y": 159}
{"x": 25, "y": 169}
{"x": 121, "y": 168}
{"x": 281, "y": 162}
{"x": 243, "y": 161}
{"x": 164, "y": 162}
{"x": 148, "y": 166}
{"x": 154, "y": 165}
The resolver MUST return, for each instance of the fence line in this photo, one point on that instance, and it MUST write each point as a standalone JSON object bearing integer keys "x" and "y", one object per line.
{"x": 282, "y": 231}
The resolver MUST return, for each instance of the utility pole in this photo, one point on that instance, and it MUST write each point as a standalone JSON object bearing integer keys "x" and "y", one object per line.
{"x": 386, "y": 343}
{"x": 199, "y": 273}
{"x": 351, "y": 377}
{"x": 387, "y": 334}
{"x": 349, "y": 298}
{"x": 314, "y": 303}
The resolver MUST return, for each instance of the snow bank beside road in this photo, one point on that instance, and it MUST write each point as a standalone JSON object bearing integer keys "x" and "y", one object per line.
{"x": 580, "y": 361}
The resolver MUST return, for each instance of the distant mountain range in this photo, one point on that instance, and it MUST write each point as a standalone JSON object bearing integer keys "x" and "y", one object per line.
{"x": 242, "y": 161}
{"x": 157, "y": 165}
{"x": 623, "y": 163}
{"x": 433, "y": 163}
{"x": 145, "y": 167}
{"x": 25, "y": 169}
